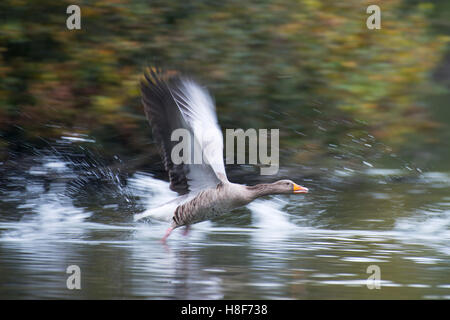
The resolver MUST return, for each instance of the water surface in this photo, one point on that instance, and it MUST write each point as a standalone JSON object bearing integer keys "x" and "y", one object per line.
{"x": 61, "y": 212}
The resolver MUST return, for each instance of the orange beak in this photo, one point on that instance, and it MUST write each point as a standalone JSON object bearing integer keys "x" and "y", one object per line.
{"x": 300, "y": 189}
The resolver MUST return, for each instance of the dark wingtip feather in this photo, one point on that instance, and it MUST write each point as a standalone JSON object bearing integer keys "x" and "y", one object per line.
{"x": 163, "y": 116}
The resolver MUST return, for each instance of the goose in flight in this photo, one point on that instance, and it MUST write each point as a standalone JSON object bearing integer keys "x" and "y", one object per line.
{"x": 172, "y": 102}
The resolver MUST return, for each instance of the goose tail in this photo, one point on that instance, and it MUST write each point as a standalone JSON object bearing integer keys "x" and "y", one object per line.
{"x": 162, "y": 213}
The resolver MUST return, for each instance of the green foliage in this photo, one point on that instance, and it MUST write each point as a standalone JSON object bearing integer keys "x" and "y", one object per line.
{"x": 308, "y": 67}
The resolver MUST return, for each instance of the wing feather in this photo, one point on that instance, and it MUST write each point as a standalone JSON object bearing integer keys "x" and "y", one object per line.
{"x": 172, "y": 102}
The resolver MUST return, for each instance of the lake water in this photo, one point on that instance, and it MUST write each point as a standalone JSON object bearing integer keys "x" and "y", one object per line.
{"x": 56, "y": 213}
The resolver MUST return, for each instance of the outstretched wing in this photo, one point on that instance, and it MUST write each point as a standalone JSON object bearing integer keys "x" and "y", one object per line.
{"x": 172, "y": 102}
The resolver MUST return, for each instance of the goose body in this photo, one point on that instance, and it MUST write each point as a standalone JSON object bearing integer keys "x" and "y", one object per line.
{"x": 205, "y": 205}
{"x": 174, "y": 102}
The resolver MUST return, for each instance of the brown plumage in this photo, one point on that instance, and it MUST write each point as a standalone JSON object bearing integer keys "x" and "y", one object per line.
{"x": 172, "y": 102}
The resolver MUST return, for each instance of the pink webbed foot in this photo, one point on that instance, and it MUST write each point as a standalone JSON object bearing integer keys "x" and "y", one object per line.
{"x": 167, "y": 234}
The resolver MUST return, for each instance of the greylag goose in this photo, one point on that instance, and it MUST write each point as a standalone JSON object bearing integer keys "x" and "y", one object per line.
{"x": 171, "y": 102}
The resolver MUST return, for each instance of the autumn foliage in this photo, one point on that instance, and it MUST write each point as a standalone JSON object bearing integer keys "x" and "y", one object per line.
{"x": 308, "y": 67}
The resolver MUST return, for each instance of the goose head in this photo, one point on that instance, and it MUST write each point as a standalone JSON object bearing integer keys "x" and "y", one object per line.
{"x": 279, "y": 187}
{"x": 286, "y": 187}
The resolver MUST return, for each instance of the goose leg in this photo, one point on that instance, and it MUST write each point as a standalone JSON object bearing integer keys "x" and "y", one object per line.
{"x": 168, "y": 231}
{"x": 186, "y": 230}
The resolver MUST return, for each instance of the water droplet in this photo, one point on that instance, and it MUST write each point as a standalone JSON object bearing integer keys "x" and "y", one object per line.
{"x": 368, "y": 164}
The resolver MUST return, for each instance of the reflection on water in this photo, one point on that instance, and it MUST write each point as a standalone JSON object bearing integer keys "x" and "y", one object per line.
{"x": 59, "y": 213}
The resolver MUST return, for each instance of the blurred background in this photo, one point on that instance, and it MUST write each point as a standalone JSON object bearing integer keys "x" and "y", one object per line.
{"x": 364, "y": 123}
{"x": 310, "y": 68}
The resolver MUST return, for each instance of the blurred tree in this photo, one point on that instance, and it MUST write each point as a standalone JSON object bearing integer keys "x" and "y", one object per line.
{"x": 308, "y": 67}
